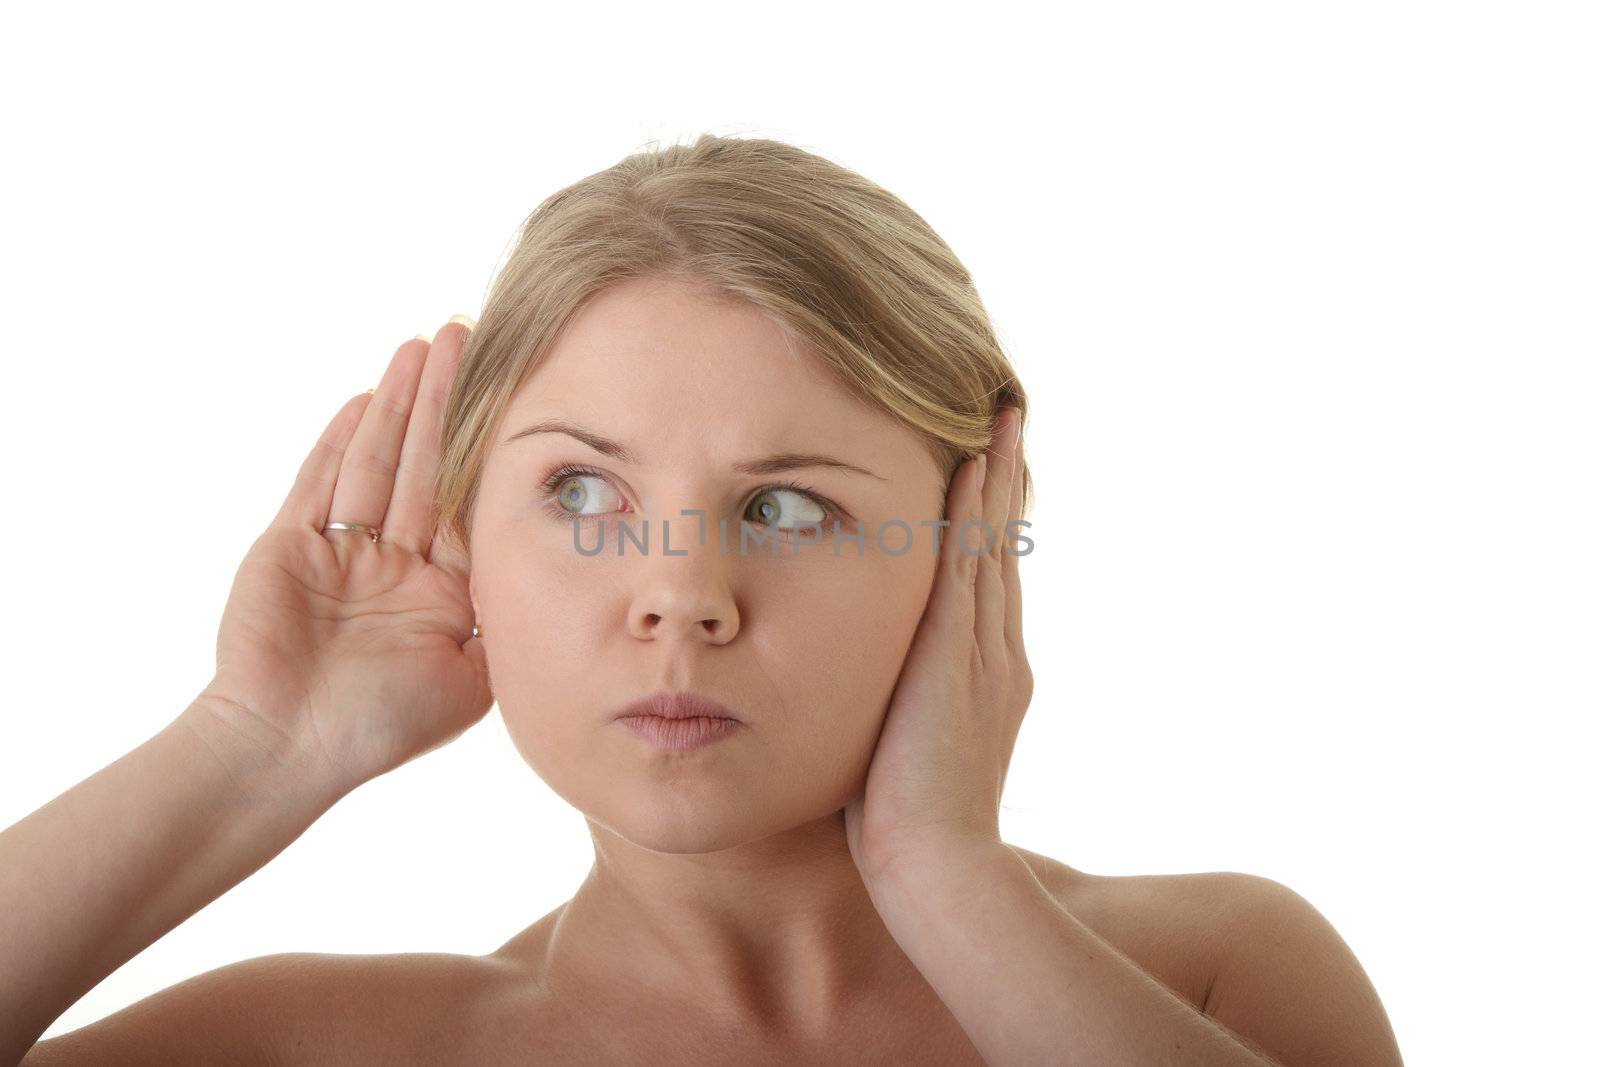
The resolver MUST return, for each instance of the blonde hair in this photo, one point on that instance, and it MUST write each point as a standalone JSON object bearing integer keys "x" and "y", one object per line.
{"x": 836, "y": 259}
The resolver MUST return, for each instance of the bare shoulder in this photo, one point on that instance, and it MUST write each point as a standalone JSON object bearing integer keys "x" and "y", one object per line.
{"x": 290, "y": 1008}
{"x": 1175, "y": 927}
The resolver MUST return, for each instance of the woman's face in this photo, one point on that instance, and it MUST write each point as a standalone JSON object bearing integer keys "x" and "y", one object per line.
{"x": 804, "y": 647}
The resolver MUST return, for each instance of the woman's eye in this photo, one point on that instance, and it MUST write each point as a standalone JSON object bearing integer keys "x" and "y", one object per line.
{"x": 575, "y": 493}
{"x": 575, "y": 496}
{"x": 773, "y": 507}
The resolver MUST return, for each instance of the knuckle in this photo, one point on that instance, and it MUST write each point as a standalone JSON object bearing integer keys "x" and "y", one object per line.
{"x": 376, "y": 463}
{"x": 390, "y": 408}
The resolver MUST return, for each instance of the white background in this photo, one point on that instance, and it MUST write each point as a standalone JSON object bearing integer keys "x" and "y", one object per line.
{"x": 1304, "y": 297}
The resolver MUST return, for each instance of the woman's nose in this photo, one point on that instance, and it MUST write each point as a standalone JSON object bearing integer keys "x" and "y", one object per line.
{"x": 685, "y": 596}
{"x": 675, "y": 610}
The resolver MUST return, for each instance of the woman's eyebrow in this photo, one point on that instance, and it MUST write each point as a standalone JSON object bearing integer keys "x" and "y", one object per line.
{"x": 772, "y": 464}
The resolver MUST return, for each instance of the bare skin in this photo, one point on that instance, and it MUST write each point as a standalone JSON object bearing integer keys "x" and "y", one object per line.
{"x": 724, "y": 919}
{"x": 724, "y": 872}
{"x": 538, "y": 999}
{"x": 580, "y": 1007}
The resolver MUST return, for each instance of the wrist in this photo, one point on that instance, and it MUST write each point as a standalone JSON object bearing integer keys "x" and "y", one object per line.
{"x": 259, "y": 757}
{"x": 927, "y": 901}
{"x": 942, "y": 861}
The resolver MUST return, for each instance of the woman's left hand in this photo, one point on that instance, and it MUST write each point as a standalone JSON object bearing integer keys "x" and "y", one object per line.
{"x": 940, "y": 764}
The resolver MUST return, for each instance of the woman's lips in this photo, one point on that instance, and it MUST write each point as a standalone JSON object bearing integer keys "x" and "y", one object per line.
{"x": 681, "y": 734}
{"x": 679, "y": 721}
{"x": 676, "y": 706}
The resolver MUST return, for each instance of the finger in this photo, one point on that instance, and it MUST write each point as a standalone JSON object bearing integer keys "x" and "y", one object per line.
{"x": 1003, "y": 471}
{"x": 366, "y": 478}
{"x": 409, "y": 521}
{"x": 1016, "y": 654}
{"x": 309, "y": 498}
{"x": 989, "y": 623}
{"x": 950, "y": 605}
{"x": 1008, "y": 566}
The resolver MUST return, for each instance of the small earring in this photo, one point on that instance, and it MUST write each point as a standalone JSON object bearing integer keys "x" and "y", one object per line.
{"x": 476, "y": 632}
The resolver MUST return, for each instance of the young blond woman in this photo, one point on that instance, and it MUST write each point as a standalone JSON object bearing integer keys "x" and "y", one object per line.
{"x": 789, "y": 747}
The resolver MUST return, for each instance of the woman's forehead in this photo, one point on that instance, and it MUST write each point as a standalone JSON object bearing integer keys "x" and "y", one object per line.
{"x": 676, "y": 393}
{"x": 671, "y": 374}
{"x": 709, "y": 362}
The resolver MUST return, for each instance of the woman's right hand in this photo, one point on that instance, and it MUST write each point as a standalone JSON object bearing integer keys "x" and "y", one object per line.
{"x": 354, "y": 656}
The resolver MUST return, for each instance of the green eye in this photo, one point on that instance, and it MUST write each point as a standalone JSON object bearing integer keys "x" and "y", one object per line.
{"x": 575, "y": 495}
{"x": 573, "y": 492}
{"x": 769, "y": 508}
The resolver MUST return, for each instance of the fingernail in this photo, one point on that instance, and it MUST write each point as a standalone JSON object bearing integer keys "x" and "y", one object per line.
{"x": 466, "y": 320}
{"x": 371, "y": 391}
{"x": 428, "y": 337}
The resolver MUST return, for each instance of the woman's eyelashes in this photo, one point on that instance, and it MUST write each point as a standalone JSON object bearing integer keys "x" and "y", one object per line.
{"x": 569, "y": 497}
